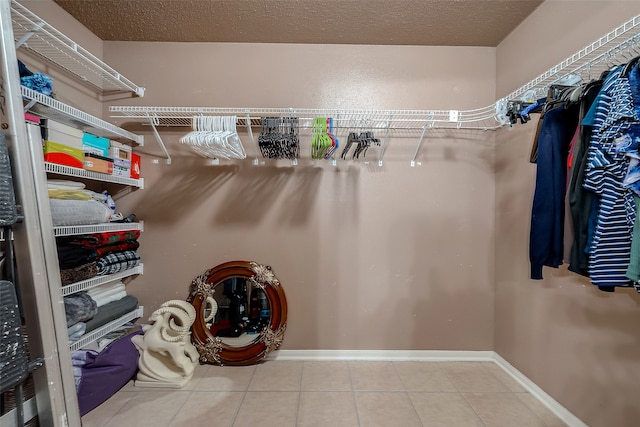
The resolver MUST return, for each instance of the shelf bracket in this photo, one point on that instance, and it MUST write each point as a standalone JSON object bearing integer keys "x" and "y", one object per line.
{"x": 28, "y": 35}
{"x": 152, "y": 122}
{"x": 424, "y": 130}
{"x": 386, "y": 140}
{"x": 255, "y": 162}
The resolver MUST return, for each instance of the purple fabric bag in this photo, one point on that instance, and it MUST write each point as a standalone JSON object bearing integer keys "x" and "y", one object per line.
{"x": 107, "y": 372}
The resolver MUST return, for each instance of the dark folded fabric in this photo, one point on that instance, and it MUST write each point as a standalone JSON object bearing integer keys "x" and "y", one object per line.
{"x": 79, "y": 308}
{"x": 112, "y": 311}
{"x": 75, "y": 256}
{"x": 128, "y": 245}
{"x": 72, "y": 275}
{"x": 101, "y": 239}
{"x": 117, "y": 261}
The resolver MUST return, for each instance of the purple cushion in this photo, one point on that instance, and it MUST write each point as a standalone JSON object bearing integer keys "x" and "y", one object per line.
{"x": 107, "y": 372}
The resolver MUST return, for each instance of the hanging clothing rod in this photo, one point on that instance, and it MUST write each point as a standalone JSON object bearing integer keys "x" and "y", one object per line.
{"x": 589, "y": 62}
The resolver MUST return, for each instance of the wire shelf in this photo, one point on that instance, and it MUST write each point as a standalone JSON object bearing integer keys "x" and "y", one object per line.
{"x": 592, "y": 59}
{"x": 52, "y": 108}
{"x": 483, "y": 118}
{"x": 99, "y": 280}
{"x": 33, "y": 33}
{"x": 96, "y": 334}
{"x": 73, "y": 230}
{"x": 96, "y": 176}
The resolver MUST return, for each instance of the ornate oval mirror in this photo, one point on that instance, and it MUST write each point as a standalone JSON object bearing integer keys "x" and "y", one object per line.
{"x": 241, "y": 313}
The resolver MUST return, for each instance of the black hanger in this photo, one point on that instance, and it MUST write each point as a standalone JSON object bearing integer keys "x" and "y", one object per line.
{"x": 629, "y": 66}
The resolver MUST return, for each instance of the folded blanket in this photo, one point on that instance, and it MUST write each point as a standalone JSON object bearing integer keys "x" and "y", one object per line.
{"x": 84, "y": 272}
{"x": 79, "y": 308}
{"x": 101, "y": 239}
{"x": 75, "y": 256}
{"x": 112, "y": 311}
{"x": 127, "y": 245}
{"x": 117, "y": 261}
{"x": 78, "y": 212}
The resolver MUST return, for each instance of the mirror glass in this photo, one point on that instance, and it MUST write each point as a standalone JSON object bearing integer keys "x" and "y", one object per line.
{"x": 242, "y": 312}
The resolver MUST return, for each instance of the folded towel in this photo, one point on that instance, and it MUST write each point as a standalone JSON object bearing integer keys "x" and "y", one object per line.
{"x": 106, "y": 288}
{"x": 106, "y": 299}
{"x": 112, "y": 311}
{"x": 64, "y": 184}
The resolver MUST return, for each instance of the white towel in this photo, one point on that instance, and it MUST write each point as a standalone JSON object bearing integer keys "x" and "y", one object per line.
{"x": 106, "y": 299}
{"x": 64, "y": 184}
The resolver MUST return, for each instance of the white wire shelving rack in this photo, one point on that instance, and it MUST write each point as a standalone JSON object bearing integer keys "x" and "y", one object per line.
{"x": 87, "y": 284}
{"x": 73, "y": 230}
{"x": 54, "y": 109}
{"x": 95, "y": 176}
{"x": 34, "y": 34}
{"x": 100, "y": 332}
{"x": 622, "y": 42}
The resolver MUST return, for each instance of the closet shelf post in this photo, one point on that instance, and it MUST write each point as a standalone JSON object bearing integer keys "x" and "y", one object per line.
{"x": 152, "y": 122}
{"x": 386, "y": 140}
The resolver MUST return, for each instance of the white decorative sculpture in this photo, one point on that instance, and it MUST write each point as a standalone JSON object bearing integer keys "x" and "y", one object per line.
{"x": 167, "y": 357}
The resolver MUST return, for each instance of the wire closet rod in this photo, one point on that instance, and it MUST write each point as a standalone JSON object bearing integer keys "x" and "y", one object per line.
{"x": 591, "y": 60}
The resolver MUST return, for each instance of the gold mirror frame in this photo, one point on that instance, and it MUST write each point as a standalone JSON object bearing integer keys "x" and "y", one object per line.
{"x": 212, "y": 349}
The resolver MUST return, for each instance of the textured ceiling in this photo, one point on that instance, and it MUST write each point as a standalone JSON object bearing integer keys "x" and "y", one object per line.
{"x": 380, "y": 22}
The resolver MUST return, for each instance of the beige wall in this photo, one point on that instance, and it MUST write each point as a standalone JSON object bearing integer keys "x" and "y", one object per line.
{"x": 370, "y": 258}
{"x": 577, "y": 343}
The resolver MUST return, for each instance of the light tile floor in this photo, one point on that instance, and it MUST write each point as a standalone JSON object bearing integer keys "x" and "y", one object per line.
{"x": 334, "y": 393}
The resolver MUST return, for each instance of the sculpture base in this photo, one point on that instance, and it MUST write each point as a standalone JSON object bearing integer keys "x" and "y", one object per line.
{"x": 161, "y": 384}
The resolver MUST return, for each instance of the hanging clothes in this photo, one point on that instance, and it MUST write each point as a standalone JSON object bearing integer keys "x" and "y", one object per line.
{"x": 580, "y": 199}
{"x": 610, "y": 247}
{"x": 547, "y": 218}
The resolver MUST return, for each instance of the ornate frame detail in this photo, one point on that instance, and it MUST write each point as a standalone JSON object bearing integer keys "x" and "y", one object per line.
{"x": 213, "y": 349}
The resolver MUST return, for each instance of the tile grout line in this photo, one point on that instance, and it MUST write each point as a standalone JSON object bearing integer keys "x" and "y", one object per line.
{"x": 353, "y": 392}
{"x": 404, "y": 387}
{"x": 473, "y": 409}
{"x": 180, "y": 408}
{"x": 462, "y": 395}
{"x": 299, "y": 392}
{"x": 246, "y": 390}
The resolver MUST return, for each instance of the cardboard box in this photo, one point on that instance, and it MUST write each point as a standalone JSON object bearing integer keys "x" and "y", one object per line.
{"x": 63, "y": 154}
{"x": 32, "y": 118}
{"x": 135, "y": 166}
{"x": 122, "y": 167}
{"x": 93, "y": 162}
{"x": 95, "y": 144}
{"x": 60, "y": 133}
{"x": 119, "y": 151}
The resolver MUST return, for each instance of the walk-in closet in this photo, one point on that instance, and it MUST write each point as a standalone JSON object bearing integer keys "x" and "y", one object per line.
{"x": 271, "y": 213}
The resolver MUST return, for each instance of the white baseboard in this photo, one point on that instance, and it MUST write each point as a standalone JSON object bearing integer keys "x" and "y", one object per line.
{"x": 435, "y": 356}
{"x": 408, "y": 355}
{"x": 561, "y": 412}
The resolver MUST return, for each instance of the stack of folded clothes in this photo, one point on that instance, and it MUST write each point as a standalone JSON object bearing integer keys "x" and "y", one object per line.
{"x": 96, "y": 307}
{"x": 86, "y": 256}
{"x": 72, "y": 204}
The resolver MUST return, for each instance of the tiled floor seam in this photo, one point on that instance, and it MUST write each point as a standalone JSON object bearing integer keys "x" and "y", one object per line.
{"x": 415, "y": 411}
{"x": 180, "y": 408}
{"x": 473, "y": 409}
{"x": 246, "y": 390}
{"x": 353, "y": 392}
